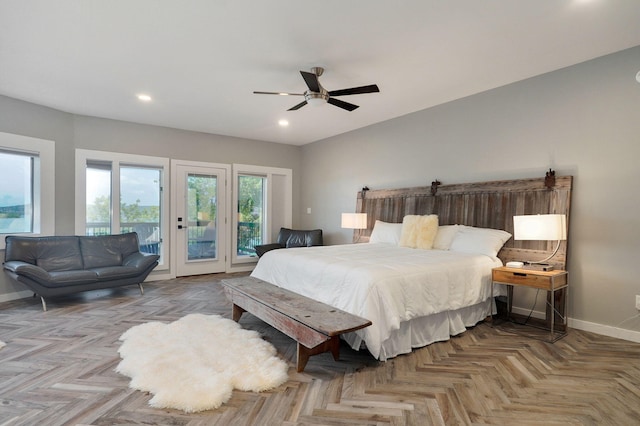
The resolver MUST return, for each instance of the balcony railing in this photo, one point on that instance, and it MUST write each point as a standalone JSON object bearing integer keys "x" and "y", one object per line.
{"x": 148, "y": 233}
{"x": 199, "y": 232}
{"x": 249, "y": 236}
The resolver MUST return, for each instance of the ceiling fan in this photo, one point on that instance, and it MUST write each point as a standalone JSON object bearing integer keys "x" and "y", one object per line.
{"x": 318, "y": 95}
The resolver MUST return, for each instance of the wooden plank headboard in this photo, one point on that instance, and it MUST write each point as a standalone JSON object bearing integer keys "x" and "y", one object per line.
{"x": 482, "y": 204}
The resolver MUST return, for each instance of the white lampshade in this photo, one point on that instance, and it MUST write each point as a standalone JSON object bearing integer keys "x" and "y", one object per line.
{"x": 354, "y": 220}
{"x": 540, "y": 227}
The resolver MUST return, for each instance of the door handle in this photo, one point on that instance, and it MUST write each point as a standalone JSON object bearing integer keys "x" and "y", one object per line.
{"x": 182, "y": 227}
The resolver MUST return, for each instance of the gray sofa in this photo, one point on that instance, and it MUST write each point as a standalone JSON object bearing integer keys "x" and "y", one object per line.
{"x": 59, "y": 265}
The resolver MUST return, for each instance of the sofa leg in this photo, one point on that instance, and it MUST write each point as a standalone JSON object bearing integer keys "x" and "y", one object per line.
{"x": 44, "y": 304}
{"x": 141, "y": 289}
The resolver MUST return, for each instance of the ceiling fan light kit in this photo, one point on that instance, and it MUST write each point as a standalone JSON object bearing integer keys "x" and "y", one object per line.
{"x": 317, "y": 95}
{"x": 316, "y": 99}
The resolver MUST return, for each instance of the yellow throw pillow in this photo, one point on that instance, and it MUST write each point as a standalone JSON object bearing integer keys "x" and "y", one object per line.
{"x": 408, "y": 234}
{"x": 427, "y": 230}
{"x": 419, "y": 231}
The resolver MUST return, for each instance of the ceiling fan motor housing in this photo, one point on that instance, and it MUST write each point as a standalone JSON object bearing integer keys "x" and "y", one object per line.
{"x": 316, "y": 98}
{"x": 317, "y": 71}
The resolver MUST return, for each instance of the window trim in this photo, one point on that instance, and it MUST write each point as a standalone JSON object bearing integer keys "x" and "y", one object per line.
{"x": 118, "y": 160}
{"x": 43, "y": 180}
{"x": 287, "y": 199}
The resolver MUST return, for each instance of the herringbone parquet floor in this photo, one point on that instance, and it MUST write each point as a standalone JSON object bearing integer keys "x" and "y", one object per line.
{"x": 58, "y": 369}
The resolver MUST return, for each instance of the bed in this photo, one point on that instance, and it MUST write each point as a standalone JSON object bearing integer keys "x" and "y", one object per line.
{"x": 418, "y": 295}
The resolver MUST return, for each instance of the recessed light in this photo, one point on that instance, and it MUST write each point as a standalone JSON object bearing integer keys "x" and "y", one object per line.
{"x": 283, "y": 123}
{"x": 144, "y": 98}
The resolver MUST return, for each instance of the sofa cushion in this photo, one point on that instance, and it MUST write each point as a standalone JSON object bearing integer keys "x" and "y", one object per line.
{"x": 107, "y": 250}
{"x": 20, "y": 249}
{"x": 106, "y": 273}
{"x": 52, "y": 279}
{"x": 70, "y": 278}
{"x": 100, "y": 251}
{"x": 141, "y": 261}
{"x": 129, "y": 243}
{"x": 49, "y": 253}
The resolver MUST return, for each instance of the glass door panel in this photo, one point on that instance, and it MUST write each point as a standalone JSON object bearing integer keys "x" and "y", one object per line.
{"x": 202, "y": 226}
{"x": 251, "y": 214}
{"x": 98, "y": 196}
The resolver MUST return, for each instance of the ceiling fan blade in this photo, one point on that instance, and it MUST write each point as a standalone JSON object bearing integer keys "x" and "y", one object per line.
{"x": 372, "y": 88}
{"x": 312, "y": 81}
{"x": 300, "y": 105}
{"x": 342, "y": 104}
{"x": 278, "y": 93}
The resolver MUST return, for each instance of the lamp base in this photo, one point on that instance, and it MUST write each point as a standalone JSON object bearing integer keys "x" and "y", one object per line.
{"x": 539, "y": 267}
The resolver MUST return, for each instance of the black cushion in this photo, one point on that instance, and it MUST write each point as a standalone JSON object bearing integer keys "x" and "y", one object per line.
{"x": 288, "y": 238}
{"x": 300, "y": 238}
{"x": 260, "y": 250}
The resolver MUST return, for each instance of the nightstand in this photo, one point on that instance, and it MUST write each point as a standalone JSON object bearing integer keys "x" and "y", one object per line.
{"x": 555, "y": 283}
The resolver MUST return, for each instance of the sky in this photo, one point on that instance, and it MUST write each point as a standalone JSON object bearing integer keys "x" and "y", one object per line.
{"x": 15, "y": 185}
{"x": 136, "y": 183}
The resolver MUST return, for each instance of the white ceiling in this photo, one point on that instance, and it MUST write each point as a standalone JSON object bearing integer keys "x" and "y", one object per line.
{"x": 201, "y": 60}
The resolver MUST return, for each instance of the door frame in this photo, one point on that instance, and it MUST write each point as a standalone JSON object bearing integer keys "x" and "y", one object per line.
{"x": 223, "y": 220}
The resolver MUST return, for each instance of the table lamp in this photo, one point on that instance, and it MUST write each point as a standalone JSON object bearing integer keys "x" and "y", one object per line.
{"x": 540, "y": 227}
{"x": 354, "y": 221}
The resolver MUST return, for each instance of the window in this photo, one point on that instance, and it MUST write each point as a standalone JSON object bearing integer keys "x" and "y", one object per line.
{"x": 26, "y": 186}
{"x": 16, "y": 204}
{"x": 122, "y": 193}
{"x": 263, "y": 204}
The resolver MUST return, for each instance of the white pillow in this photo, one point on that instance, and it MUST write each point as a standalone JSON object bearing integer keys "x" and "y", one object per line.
{"x": 384, "y": 232}
{"x": 445, "y": 236}
{"x": 419, "y": 231}
{"x": 479, "y": 240}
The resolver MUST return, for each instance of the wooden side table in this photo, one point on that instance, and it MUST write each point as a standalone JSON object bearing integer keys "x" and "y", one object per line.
{"x": 555, "y": 283}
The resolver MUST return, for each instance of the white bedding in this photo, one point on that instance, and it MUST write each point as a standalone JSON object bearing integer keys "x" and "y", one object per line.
{"x": 384, "y": 283}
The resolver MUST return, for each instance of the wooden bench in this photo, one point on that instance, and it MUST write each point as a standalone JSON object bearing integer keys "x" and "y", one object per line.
{"x": 315, "y": 326}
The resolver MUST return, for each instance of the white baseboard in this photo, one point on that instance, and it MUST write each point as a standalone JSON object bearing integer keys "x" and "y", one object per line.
{"x": 242, "y": 268}
{"x": 605, "y": 330}
{"x": 526, "y": 312}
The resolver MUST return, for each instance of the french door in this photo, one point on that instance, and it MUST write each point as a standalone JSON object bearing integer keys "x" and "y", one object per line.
{"x": 199, "y": 218}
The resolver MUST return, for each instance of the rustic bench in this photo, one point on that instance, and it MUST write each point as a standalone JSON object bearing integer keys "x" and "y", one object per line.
{"x": 315, "y": 326}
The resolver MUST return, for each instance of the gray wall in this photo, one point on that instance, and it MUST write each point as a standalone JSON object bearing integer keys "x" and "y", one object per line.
{"x": 71, "y": 131}
{"x": 582, "y": 121}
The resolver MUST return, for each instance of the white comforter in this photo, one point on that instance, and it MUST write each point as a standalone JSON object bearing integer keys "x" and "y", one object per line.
{"x": 384, "y": 283}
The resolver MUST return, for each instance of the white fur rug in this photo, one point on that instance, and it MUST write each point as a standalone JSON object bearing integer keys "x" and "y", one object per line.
{"x": 194, "y": 363}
